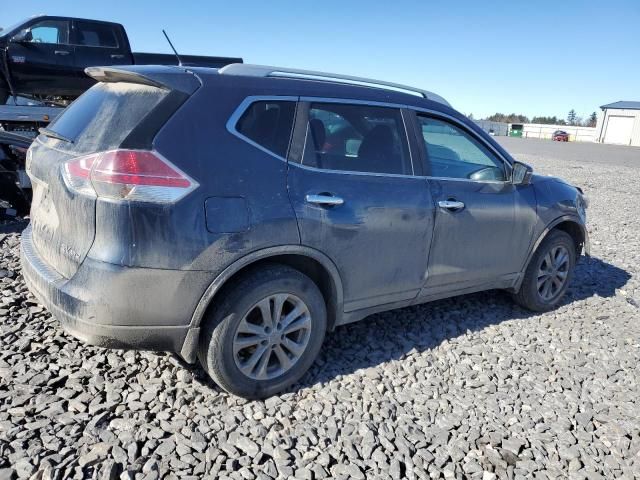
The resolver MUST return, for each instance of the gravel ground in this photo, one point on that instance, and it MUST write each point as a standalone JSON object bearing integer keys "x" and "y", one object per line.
{"x": 472, "y": 387}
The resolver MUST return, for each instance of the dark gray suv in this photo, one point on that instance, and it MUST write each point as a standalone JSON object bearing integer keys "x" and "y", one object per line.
{"x": 235, "y": 215}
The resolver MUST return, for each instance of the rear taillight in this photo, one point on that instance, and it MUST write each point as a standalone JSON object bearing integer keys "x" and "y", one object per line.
{"x": 138, "y": 175}
{"x": 76, "y": 175}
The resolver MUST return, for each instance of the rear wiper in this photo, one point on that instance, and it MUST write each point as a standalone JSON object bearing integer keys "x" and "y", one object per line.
{"x": 50, "y": 133}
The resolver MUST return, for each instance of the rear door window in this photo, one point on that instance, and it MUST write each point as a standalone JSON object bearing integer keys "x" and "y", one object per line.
{"x": 90, "y": 34}
{"x": 268, "y": 124}
{"x": 104, "y": 115}
{"x": 356, "y": 138}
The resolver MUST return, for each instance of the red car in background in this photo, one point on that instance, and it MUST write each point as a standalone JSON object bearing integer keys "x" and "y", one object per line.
{"x": 560, "y": 136}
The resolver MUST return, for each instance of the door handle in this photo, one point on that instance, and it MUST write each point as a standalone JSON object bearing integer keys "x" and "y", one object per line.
{"x": 61, "y": 52}
{"x": 451, "y": 205}
{"x": 117, "y": 55}
{"x": 325, "y": 200}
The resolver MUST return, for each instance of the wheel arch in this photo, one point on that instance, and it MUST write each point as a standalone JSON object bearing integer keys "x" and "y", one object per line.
{"x": 570, "y": 224}
{"x": 576, "y": 231}
{"x": 309, "y": 261}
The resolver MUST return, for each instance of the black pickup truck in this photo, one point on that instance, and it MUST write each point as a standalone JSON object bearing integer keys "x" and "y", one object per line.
{"x": 42, "y": 62}
{"x": 45, "y": 57}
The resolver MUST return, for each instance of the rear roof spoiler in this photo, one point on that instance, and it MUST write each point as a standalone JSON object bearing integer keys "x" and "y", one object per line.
{"x": 165, "y": 77}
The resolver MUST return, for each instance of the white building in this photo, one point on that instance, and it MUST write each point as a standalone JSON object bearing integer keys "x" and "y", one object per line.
{"x": 538, "y": 130}
{"x": 620, "y": 124}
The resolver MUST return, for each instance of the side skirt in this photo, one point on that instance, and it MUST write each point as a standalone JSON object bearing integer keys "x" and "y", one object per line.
{"x": 507, "y": 282}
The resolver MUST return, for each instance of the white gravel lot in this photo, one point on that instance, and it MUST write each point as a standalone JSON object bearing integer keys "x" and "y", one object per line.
{"x": 472, "y": 387}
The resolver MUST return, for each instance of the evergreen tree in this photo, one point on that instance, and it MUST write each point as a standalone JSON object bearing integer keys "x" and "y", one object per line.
{"x": 511, "y": 118}
{"x": 571, "y": 118}
{"x": 546, "y": 120}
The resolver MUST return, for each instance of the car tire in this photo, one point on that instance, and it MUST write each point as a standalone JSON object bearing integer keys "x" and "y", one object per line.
{"x": 241, "y": 328}
{"x": 548, "y": 274}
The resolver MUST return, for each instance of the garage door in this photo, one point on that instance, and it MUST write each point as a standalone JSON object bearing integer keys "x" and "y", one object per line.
{"x": 619, "y": 130}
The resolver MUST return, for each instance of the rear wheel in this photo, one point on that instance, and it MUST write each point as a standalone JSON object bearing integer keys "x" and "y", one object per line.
{"x": 548, "y": 273}
{"x": 265, "y": 334}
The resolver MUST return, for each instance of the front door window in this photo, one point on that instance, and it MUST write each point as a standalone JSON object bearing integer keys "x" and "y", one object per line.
{"x": 49, "y": 31}
{"x": 454, "y": 153}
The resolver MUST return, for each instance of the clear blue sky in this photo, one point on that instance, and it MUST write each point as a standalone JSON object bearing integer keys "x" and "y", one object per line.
{"x": 531, "y": 57}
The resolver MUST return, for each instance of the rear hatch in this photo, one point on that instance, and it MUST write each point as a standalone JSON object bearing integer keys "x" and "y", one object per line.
{"x": 109, "y": 115}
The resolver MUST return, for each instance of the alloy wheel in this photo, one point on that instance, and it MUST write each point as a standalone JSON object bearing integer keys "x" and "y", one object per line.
{"x": 553, "y": 272}
{"x": 272, "y": 336}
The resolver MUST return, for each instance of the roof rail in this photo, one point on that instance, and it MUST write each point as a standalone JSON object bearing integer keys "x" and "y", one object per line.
{"x": 248, "y": 70}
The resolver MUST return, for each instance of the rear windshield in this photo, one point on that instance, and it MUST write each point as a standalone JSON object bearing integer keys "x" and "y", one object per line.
{"x": 103, "y": 116}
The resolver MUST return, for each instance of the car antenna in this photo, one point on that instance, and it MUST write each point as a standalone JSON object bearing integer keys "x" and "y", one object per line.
{"x": 172, "y": 48}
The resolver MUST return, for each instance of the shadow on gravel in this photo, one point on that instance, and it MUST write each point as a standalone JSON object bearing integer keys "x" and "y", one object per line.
{"x": 388, "y": 336}
{"x": 392, "y": 335}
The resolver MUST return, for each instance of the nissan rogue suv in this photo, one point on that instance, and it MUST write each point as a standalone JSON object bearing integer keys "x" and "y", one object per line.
{"x": 234, "y": 216}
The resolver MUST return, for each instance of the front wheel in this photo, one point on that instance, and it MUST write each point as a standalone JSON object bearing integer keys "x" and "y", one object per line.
{"x": 265, "y": 333}
{"x": 548, "y": 274}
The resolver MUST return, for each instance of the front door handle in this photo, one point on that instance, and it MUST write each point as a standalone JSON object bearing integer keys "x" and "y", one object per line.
{"x": 325, "y": 200}
{"x": 61, "y": 52}
{"x": 451, "y": 205}
{"x": 117, "y": 55}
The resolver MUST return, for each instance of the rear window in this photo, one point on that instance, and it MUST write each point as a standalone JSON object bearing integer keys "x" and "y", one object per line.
{"x": 95, "y": 35}
{"x": 103, "y": 116}
{"x": 269, "y": 124}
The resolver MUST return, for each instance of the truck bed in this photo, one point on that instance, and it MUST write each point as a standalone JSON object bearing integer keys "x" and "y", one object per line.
{"x": 141, "y": 58}
{"x": 26, "y": 119}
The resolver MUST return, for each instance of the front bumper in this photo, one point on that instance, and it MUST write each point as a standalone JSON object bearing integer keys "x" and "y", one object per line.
{"x": 114, "y": 306}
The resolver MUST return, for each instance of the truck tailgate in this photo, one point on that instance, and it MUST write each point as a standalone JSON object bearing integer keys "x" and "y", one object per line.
{"x": 140, "y": 58}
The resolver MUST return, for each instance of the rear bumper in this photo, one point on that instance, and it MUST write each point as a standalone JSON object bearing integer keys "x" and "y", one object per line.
{"x": 114, "y": 306}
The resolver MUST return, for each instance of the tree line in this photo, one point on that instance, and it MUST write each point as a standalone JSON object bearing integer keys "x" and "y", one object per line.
{"x": 572, "y": 119}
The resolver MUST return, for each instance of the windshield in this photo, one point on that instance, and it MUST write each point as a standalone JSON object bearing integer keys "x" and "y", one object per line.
{"x": 11, "y": 28}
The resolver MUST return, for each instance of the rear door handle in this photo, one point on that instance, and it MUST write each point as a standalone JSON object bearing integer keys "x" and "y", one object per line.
{"x": 325, "y": 200}
{"x": 451, "y": 205}
{"x": 117, "y": 55}
{"x": 61, "y": 52}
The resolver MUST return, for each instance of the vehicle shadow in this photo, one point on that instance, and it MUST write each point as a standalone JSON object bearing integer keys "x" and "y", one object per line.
{"x": 392, "y": 335}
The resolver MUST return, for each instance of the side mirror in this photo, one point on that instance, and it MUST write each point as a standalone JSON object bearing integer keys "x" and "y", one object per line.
{"x": 22, "y": 36}
{"x": 521, "y": 173}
